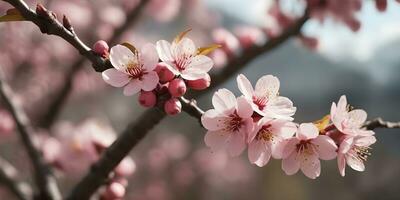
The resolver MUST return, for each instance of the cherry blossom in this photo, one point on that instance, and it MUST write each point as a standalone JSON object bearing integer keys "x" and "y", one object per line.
{"x": 269, "y": 138}
{"x": 304, "y": 151}
{"x": 229, "y": 123}
{"x": 354, "y": 151}
{"x": 265, "y": 98}
{"x": 132, "y": 70}
{"x": 182, "y": 58}
{"x": 348, "y": 122}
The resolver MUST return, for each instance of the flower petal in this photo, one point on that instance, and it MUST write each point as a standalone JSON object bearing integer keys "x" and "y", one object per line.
{"x": 115, "y": 78}
{"x": 364, "y": 141}
{"x": 267, "y": 86}
{"x": 150, "y": 81}
{"x": 224, "y": 100}
{"x": 245, "y": 86}
{"x": 341, "y": 160}
{"x": 280, "y": 108}
{"x": 164, "y": 51}
{"x": 346, "y": 145}
{"x": 259, "y": 153}
{"x": 277, "y": 147}
{"x": 307, "y": 131}
{"x": 356, "y": 118}
{"x": 201, "y": 63}
{"x": 184, "y": 47}
{"x": 120, "y": 56}
{"x": 291, "y": 164}
{"x": 283, "y": 129}
{"x": 290, "y": 147}
{"x": 325, "y": 147}
{"x": 237, "y": 144}
{"x": 354, "y": 162}
{"x": 311, "y": 166}
{"x": 212, "y": 120}
{"x": 244, "y": 109}
{"x": 192, "y": 74}
{"x": 149, "y": 57}
{"x": 216, "y": 140}
{"x": 133, "y": 87}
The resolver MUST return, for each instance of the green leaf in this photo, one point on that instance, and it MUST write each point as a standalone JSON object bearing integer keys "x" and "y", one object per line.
{"x": 208, "y": 49}
{"x": 12, "y": 15}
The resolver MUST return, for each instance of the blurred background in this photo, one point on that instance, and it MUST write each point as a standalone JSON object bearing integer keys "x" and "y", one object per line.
{"x": 332, "y": 57}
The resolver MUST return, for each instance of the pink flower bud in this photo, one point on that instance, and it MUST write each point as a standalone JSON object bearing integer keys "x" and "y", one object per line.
{"x": 310, "y": 42}
{"x": 101, "y": 48}
{"x": 114, "y": 190}
{"x": 172, "y": 106}
{"x": 164, "y": 73}
{"x": 177, "y": 87}
{"x": 200, "y": 84}
{"x": 381, "y": 5}
{"x": 147, "y": 99}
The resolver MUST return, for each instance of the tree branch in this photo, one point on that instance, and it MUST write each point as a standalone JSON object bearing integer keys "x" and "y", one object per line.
{"x": 52, "y": 26}
{"x": 380, "y": 123}
{"x": 58, "y": 101}
{"x": 8, "y": 178}
{"x": 128, "y": 139}
{"x": 48, "y": 189}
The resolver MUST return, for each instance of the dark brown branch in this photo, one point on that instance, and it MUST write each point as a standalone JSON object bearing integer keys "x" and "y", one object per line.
{"x": 60, "y": 98}
{"x": 52, "y": 26}
{"x": 380, "y": 123}
{"x": 8, "y": 178}
{"x": 46, "y": 183}
{"x": 191, "y": 108}
{"x": 128, "y": 139}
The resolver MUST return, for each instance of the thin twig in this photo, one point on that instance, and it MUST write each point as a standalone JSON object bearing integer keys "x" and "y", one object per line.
{"x": 8, "y": 178}
{"x": 380, "y": 123}
{"x": 55, "y": 106}
{"x": 48, "y": 189}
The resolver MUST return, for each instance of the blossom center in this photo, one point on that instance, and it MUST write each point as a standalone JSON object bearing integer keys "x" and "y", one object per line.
{"x": 265, "y": 133}
{"x": 233, "y": 123}
{"x": 134, "y": 69}
{"x": 305, "y": 147}
{"x": 362, "y": 153}
{"x": 183, "y": 61}
{"x": 261, "y": 102}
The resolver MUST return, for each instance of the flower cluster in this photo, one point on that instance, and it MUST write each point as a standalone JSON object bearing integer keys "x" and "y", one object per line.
{"x": 74, "y": 148}
{"x": 159, "y": 83}
{"x": 261, "y": 120}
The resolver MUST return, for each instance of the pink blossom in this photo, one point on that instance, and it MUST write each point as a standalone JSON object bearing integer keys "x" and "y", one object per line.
{"x": 164, "y": 10}
{"x": 269, "y": 138}
{"x": 200, "y": 84}
{"x": 249, "y": 36}
{"x": 173, "y": 106}
{"x": 147, "y": 99}
{"x": 177, "y": 87}
{"x": 228, "y": 123}
{"x": 133, "y": 71}
{"x": 348, "y": 122}
{"x": 182, "y": 59}
{"x": 265, "y": 98}
{"x": 101, "y": 48}
{"x": 164, "y": 73}
{"x": 304, "y": 151}
{"x": 229, "y": 42}
{"x": 354, "y": 151}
